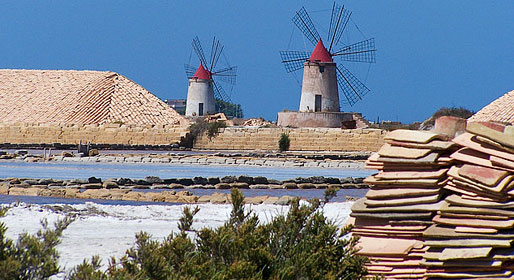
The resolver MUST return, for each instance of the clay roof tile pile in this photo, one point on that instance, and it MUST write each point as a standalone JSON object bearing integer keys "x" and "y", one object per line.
{"x": 79, "y": 97}
{"x": 501, "y": 110}
{"x": 432, "y": 217}
{"x": 404, "y": 197}
{"x": 473, "y": 232}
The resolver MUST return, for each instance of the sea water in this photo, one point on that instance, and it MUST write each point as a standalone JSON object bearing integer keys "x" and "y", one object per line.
{"x": 79, "y": 170}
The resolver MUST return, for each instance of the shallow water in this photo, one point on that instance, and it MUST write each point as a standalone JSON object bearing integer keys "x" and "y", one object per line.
{"x": 9, "y": 199}
{"x": 68, "y": 170}
{"x": 305, "y": 194}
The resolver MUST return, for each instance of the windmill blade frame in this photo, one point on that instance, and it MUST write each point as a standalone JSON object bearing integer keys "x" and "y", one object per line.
{"x": 343, "y": 16}
{"x": 197, "y": 46}
{"x": 219, "y": 92}
{"x": 338, "y": 21}
{"x": 216, "y": 51}
{"x": 294, "y": 60}
{"x": 332, "y": 21}
{"x": 353, "y": 89}
{"x": 363, "y": 51}
{"x": 190, "y": 70}
{"x": 214, "y": 43}
{"x": 303, "y": 21}
{"x": 226, "y": 75}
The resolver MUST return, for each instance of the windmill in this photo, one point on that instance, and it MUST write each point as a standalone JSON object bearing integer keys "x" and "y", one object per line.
{"x": 204, "y": 87}
{"x": 322, "y": 76}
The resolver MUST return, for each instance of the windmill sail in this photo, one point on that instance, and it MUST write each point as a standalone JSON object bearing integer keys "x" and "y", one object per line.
{"x": 353, "y": 89}
{"x": 304, "y": 23}
{"x": 363, "y": 51}
{"x": 190, "y": 70}
{"x": 294, "y": 60}
{"x": 219, "y": 92}
{"x": 216, "y": 51}
{"x": 199, "y": 51}
{"x": 338, "y": 21}
{"x": 226, "y": 75}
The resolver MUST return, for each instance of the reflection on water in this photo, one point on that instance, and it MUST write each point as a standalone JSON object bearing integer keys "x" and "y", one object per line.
{"x": 61, "y": 170}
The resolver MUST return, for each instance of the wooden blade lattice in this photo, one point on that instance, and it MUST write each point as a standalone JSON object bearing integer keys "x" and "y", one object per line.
{"x": 294, "y": 60}
{"x": 304, "y": 23}
{"x": 363, "y": 51}
{"x": 338, "y": 21}
{"x": 197, "y": 46}
{"x": 219, "y": 92}
{"x": 190, "y": 70}
{"x": 352, "y": 88}
{"x": 226, "y": 75}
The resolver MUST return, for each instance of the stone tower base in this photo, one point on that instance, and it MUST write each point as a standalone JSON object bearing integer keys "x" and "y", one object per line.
{"x": 318, "y": 119}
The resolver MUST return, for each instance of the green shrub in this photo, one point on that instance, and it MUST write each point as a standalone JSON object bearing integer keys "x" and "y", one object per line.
{"x": 301, "y": 244}
{"x": 214, "y": 128}
{"x": 31, "y": 256}
{"x": 284, "y": 142}
{"x": 229, "y": 109}
{"x": 198, "y": 128}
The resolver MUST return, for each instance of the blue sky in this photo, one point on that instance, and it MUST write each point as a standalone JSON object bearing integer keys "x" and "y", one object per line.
{"x": 430, "y": 53}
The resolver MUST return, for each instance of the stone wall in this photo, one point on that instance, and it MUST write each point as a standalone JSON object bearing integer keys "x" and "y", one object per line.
{"x": 302, "y": 139}
{"x": 98, "y": 134}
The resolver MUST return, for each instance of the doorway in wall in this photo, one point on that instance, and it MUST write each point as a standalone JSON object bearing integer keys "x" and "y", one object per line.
{"x": 317, "y": 103}
{"x": 200, "y": 109}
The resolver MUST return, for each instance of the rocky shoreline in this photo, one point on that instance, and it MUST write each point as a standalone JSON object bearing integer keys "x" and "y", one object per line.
{"x": 173, "y": 190}
{"x": 347, "y": 160}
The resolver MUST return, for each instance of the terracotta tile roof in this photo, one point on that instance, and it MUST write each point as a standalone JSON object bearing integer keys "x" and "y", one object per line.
{"x": 81, "y": 97}
{"x": 501, "y": 110}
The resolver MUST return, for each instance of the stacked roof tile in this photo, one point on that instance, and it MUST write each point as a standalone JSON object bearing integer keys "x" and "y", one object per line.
{"x": 474, "y": 230}
{"x": 79, "y": 97}
{"x": 404, "y": 197}
{"x": 501, "y": 110}
{"x": 432, "y": 216}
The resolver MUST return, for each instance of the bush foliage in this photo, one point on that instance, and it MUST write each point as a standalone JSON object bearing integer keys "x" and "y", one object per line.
{"x": 284, "y": 142}
{"x": 31, "y": 256}
{"x": 198, "y": 128}
{"x": 301, "y": 244}
{"x": 214, "y": 128}
{"x": 229, "y": 109}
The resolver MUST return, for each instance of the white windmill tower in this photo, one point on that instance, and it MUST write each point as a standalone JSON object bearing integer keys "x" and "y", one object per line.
{"x": 322, "y": 76}
{"x": 203, "y": 89}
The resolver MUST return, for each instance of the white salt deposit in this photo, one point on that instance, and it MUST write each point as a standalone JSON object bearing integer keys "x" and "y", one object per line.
{"x": 109, "y": 230}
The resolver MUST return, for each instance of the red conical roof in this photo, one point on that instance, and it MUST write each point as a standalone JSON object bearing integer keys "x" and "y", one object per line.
{"x": 320, "y": 53}
{"x": 202, "y": 73}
